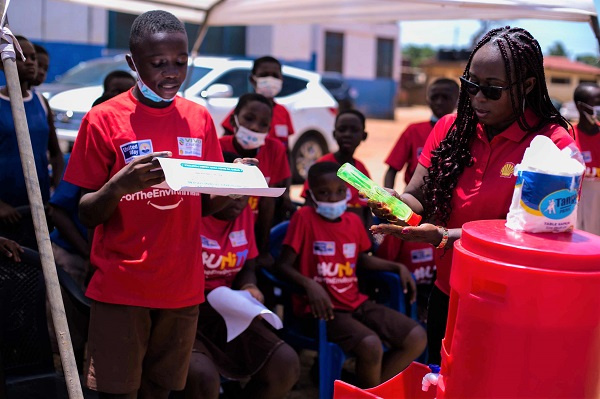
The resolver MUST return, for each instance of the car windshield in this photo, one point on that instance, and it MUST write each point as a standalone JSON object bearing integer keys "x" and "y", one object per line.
{"x": 93, "y": 73}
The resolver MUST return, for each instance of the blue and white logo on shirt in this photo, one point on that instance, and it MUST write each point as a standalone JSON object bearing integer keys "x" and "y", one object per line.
{"x": 209, "y": 243}
{"x": 238, "y": 238}
{"x": 326, "y": 248}
{"x": 421, "y": 255}
{"x": 135, "y": 149}
{"x": 349, "y": 250}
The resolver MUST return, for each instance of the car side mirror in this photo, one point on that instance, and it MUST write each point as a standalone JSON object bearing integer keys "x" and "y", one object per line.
{"x": 217, "y": 90}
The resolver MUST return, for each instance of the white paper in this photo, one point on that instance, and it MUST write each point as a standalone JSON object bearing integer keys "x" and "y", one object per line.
{"x": 238, "y": 309}
{"x": 215, "y": 178}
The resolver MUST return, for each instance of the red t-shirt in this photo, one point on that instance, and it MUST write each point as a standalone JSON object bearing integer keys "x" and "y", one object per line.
{"x": 146, "y": 253}
{"x": 272, "y": 162}
{"x": 589, "y": 145}
{"x": 408, "y": 148}
{"x": 327, "y": 253}
{"x": 281, "y": 124}
{"x": 484, "y": 190}
{"x": 353, "y": 199}
{"x": 226, "y": 246}
{"x": 418, "y": 257}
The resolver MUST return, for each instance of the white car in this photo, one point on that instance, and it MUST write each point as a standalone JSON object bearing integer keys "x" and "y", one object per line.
{"x": 215, "y": 83}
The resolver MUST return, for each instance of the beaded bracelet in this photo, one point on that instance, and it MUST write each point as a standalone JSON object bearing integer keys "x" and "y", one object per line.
{"x": 444, "y": 241}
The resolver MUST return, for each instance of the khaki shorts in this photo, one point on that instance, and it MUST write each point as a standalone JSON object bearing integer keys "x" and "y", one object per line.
{"x": 348, "y": 329}
{"x": 125, "y": 342}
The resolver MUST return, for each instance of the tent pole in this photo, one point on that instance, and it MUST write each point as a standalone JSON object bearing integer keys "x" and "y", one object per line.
{"x": 198, "y": 42}
{"x": 53, "y": 293}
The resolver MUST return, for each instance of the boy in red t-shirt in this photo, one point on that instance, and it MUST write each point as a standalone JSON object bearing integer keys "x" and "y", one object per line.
{"x": 267, "y": 80}
{"x": 349, "y": 133}
{"x": 229, "y": 253}
{"x": 251, "y": 119}
{"x": 148, "y": 278}
{"x": 321, "y": 251}
{"x": 442, "y": 96}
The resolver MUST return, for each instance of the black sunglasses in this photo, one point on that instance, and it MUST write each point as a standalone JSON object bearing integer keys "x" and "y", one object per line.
{"x": 490, "y": 92}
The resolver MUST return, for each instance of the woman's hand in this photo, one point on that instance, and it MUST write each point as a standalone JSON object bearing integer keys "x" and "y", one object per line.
{"x": 320, "y": 303}
{"x": 425, "y": 232}
{"x": 381, "y": 210}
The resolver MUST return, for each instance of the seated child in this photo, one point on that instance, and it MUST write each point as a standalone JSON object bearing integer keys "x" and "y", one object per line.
{"x": 349, "y": 133}
{"x": 323, "y": 247}
{"x": 251, "y": 120}
{"x": 228, "y": 253}
{"x": 418, "y": 258}
{"x": 115, "y": 83}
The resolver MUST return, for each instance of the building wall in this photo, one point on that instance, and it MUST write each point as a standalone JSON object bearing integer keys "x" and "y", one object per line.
{"x": 563, "y": 92}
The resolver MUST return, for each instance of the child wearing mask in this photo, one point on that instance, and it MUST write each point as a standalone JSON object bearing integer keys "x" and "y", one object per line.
{"x": 251, "y": 121}
{"x": 322, "y": 250}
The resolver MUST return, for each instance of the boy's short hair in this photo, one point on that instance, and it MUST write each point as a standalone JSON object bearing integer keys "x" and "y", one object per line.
{"x": 582, "y": 92}
{"x": 40, "y": 50}
{"x": 356, "y": 112}
{"x": 151, "y": 22}
{"x": 264, "y": 60}
{"x": 116, "y": 75}
{"x": 446, "y": 81}
{"x": 319, "y": 169}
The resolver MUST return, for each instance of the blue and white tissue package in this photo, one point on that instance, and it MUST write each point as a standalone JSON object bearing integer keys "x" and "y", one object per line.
{"x": 546, "y": 190}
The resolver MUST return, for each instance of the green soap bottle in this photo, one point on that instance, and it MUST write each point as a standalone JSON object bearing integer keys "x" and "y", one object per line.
{"x": 362, "y": 183}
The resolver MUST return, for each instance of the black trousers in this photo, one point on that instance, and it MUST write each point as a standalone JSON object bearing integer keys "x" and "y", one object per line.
{"x": 437, "y": 316}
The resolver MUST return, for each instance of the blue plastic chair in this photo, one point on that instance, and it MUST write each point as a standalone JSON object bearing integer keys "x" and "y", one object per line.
{"x": 330, "y": 356}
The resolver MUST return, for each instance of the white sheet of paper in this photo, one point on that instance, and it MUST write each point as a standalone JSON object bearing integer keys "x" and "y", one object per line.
{"x": 217, "y": 178}
{"x": 238, "y": 309}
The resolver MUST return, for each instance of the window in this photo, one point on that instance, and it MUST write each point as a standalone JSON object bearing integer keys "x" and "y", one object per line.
{"x": 385, "y": 58}
{"x": 560, "y": 81}
{"x": 334, "y": 52}
{"x": 291, "y": 86}
{"x": 587, "y": 81}
{"x": 237, "y": 79}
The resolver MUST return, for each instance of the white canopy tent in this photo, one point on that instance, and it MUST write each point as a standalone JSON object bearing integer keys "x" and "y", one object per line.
{"x": 271, "y": 12}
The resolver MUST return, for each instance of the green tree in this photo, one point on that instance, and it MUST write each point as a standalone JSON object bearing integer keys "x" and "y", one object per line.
{"x": 589, "y": 59}
{"x": 417, "y": 54}
{"x": 557, "y": 48}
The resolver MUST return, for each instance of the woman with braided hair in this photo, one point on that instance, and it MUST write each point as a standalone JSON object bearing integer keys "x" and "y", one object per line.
{"x": 465, "y": 171}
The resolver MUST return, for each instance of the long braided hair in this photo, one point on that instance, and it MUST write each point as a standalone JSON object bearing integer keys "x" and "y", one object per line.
{"x": 521, "y": 52}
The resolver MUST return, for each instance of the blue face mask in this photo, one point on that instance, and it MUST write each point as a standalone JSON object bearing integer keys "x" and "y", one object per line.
{"x": 330, "y": 210}
{"x": 148, "y": 92}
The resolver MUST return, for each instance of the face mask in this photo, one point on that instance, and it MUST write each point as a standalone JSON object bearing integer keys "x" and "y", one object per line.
{"x": 594, "y": 117}
{"x": 330, "y": 210}
{"x": 148, "y": 92}
{"x": 248, "y": 139}
{"x": 268, "y": 86}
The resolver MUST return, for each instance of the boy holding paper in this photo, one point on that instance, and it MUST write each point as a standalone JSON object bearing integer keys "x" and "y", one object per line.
{"x": 229, "y": 253}
{"x": 149, "y": 278}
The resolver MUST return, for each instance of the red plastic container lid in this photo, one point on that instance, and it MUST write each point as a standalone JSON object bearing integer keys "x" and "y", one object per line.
{"x": 578, "y": 251}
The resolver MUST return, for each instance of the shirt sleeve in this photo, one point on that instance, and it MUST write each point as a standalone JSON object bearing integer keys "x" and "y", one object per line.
{"x": 364, "y": 243}
{"x": 561, "y": 137}
{"x": 435, "y": 138}
{"x": 289, "y": 122}
{"x": 296, "y": 233}
{"x": 66, "y": 196}
{"x": 213, "y": 147}
{"x": 226, "y": 122}
{"x": 400, "y": 154}
{"x": 93, "y": 156}
{"x": 281, "y": 166}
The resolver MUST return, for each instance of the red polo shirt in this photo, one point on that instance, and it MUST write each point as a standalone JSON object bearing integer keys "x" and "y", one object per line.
{"x": 281, "y": 124}
{"x": 408, "y": 148}
{"x": 484, "y": 190}
{"x": 589, "y": 145}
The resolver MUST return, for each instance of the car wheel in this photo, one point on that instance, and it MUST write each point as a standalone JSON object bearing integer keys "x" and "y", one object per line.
{"x": 310, "y": 147}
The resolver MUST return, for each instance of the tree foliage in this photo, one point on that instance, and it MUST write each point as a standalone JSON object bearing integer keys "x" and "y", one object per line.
{"x": 417, "y": 54}
{"x": 557, "y": 48}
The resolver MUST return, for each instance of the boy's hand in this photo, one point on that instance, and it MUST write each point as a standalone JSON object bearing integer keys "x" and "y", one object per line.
{"x": 255, "y": 292}
{"x": 8, "y": 214}
{"x": 11, "y": 249}
{"x": 408, "y": 283}
{"x": 319, "y": 301}
{"x": 141, "y": 173}
{"x": 246, "y": 161}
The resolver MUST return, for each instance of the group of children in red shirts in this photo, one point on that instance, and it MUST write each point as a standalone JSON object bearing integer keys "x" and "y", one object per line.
{"x": 150, "y": 330}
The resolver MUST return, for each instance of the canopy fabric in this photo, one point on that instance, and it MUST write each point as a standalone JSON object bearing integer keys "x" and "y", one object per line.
{"x": 268, "y": 12}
